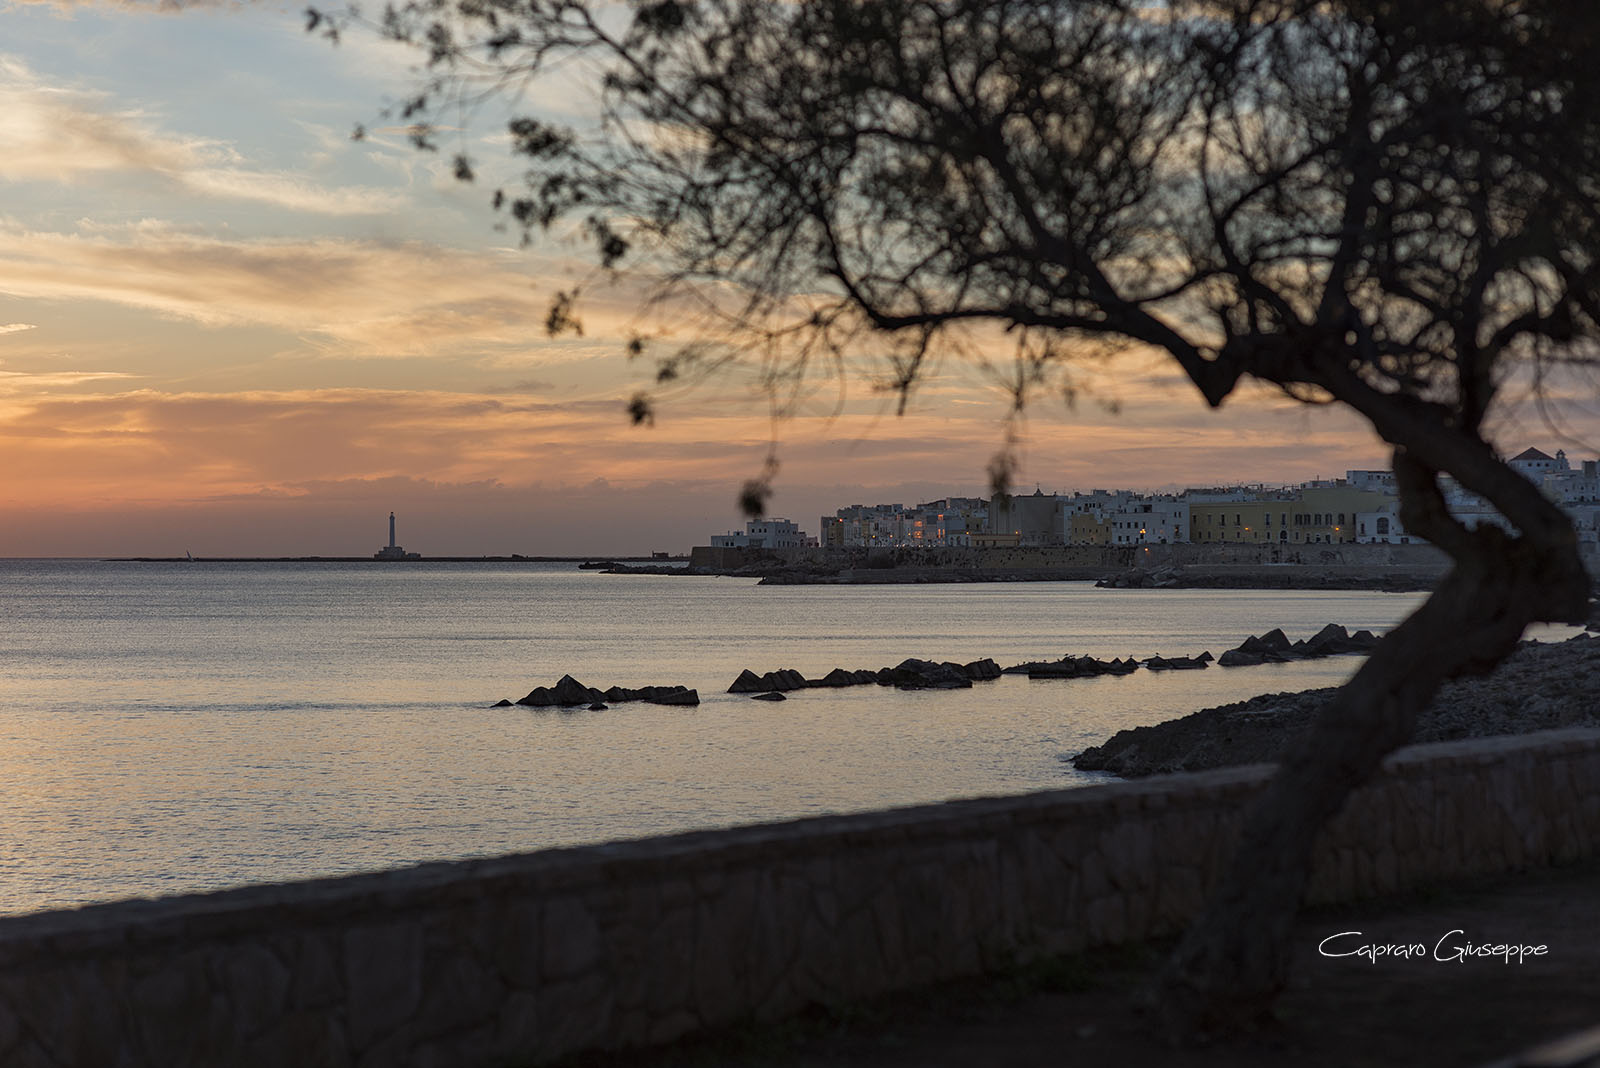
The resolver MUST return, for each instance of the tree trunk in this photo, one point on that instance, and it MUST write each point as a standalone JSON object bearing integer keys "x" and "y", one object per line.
{"x": 1235, "y": 959}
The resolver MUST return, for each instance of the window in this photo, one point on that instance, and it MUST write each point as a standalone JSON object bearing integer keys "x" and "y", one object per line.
{"x": 1383, "y": 525}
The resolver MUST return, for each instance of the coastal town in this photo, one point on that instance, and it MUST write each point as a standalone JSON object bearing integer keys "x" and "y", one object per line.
{"x": 1360, "y": 508}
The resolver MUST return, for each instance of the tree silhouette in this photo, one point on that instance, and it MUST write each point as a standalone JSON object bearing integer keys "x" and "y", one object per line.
{"x": 1380, "y": 204}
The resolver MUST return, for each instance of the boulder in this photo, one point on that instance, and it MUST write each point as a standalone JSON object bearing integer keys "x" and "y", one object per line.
{"x": 982, "y": 670}
{"x": 1330, "y": 639}
{"x": 1273, "y": 641}
{"x": 598, "y": 706}
{"x": 782, "y": 679}
{"x": 1240, "y": 658}
{"x": 1176, "y": 663}
{"x": 1079, "y": 667}
{"x": 747, "y": 682}
{"x": 538, "y": 697}
{"x": 914, "y": 674}
{"x": 676, "y": 695}
{"x": 502, "y": 703}
{"x": 569, "y": 691}
{"x": 774, "y": 696}
{"x": 839, "y": 677}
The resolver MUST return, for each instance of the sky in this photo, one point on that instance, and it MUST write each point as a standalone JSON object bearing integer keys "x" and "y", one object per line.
{"x": 227, "y": 328}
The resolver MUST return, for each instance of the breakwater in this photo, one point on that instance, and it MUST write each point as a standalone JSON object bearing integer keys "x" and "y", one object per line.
{"x": 1346, "y": 566}
{"x": 527, "y": 958}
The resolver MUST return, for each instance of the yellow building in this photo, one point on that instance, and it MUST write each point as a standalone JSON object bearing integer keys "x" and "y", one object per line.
{"x": 1086, "y": 529}
{"x": 1317, "y": 515}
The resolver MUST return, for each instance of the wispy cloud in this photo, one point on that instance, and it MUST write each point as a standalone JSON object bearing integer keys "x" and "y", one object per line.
{"x": 34, "y": 381}
{"x": 360, "y": 298}
{"x": 16, "y": 328}
{"x": 58, "y": 133}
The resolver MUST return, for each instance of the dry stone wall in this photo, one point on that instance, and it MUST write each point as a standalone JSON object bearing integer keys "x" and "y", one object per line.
{"x": 523, "y": 959}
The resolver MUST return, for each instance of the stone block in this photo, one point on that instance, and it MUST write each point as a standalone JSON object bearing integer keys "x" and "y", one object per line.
{"x": 255, "y": 984}
{"x": 1093, "y": 880}
{"x": 570, "y": 939}
{"x": 383, "y": 980}
{"x": 517, "y": 1027}
{"x": 671, "y": 1025}
{"x": 579, "y": 1014}
{"x": 298, "y": 1037}
{"x": 315, "y": 978}
{"x": 1106, "y": 920}
{"x": 458, "y": 991}
{"x": 10, "y": 1029}
{"x": 519, "y": 953}
{"x": 669, "y": 959}
{"x": 177, "y": 1019}
{"x": 716, "y": 975}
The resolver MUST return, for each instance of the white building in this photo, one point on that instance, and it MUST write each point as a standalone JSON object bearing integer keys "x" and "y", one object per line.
{"x": 1372, "y": 481}
{"x": 1150, "y": 521}
{"x": 1383, "y": 527}
{"x": 764, "y": 534}
{"x": 1535, "y": 465}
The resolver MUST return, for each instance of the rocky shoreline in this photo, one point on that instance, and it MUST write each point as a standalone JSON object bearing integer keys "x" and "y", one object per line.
{"x": 1281, "y": 576}
{"x": 1539, "y": 687}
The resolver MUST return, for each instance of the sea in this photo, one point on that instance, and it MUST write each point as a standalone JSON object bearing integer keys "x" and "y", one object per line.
{"x": 171, "y": 728}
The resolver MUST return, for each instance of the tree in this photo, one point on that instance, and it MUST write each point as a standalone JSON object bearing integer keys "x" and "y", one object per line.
{"x": 1384, "y": 205}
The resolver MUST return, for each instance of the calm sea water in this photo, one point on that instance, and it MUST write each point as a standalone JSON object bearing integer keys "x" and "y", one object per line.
{"x": 169, "y": 728}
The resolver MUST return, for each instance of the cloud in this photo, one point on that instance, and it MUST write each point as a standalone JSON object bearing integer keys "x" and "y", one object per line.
{"x": 56, "y": 133}
{"x": 360, "y": 298}
{"x": 14, "y": 328}
{"x": 23, "y": 381}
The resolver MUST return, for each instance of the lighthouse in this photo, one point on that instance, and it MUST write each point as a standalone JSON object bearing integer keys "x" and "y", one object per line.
{"x": 393, "y": 551}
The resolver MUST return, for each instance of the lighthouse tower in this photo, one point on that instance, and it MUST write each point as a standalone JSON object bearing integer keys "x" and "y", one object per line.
{"x": 393, "y": 551}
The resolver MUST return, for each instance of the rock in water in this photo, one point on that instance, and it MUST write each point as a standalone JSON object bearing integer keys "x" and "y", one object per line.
{"x": 569, "y": 691}
{"x": 747, "y": 682}
{"x": 773, "y": 696}
{"x": 982, "y": 670}
{"x": 913, "y": 674}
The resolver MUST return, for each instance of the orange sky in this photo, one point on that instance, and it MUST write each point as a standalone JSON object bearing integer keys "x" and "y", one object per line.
{"x": 226, "y": 328}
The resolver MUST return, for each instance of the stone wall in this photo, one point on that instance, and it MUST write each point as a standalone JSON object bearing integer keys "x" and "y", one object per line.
{"x": 1096, "y": 557}
{"x": 522, "y": 959}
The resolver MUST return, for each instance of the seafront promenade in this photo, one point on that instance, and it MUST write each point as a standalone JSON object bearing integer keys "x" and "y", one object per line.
{"x": 528, "y": 959}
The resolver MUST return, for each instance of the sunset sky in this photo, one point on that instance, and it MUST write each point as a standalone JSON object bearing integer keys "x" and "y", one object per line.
{"x": 226, "y": 328}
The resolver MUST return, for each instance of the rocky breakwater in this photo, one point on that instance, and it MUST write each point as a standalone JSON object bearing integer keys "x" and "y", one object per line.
{"x": 909, "y": 674}
{"x": 1277, "y": 576}
{"x": 570, "y": 693}
{"x": 1073, "y": 667}
{"x": 1539, "y": 687}
{"x": 1274, "y": 647}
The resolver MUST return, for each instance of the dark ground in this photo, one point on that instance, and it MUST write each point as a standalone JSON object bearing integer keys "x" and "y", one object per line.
{"x": 1346, "y": 1012}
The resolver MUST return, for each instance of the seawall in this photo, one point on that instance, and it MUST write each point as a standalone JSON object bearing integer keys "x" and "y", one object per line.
{"x": 525, "y": 958}
{"x": 1083, "y": 561}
